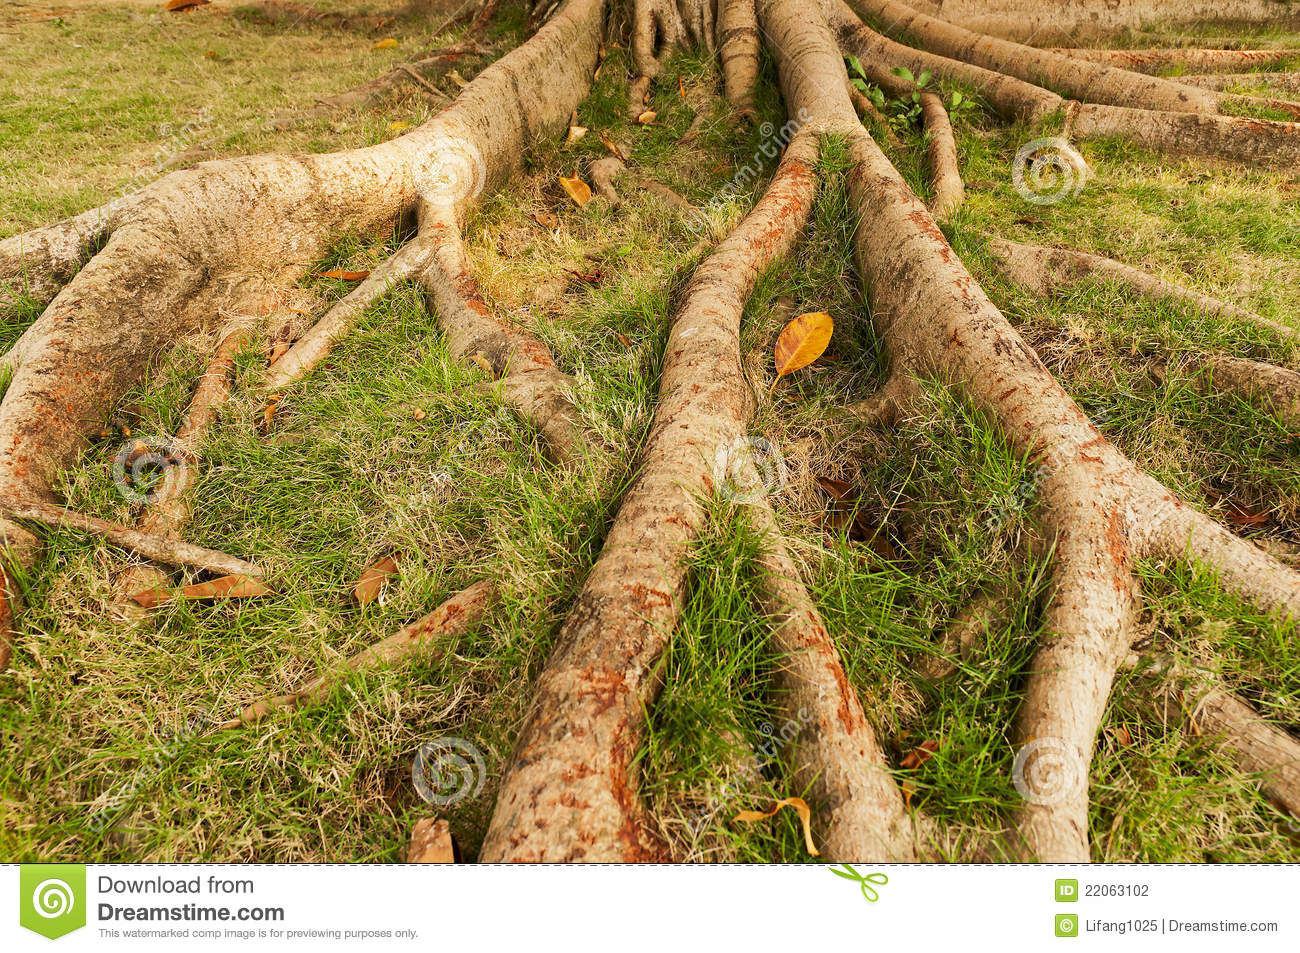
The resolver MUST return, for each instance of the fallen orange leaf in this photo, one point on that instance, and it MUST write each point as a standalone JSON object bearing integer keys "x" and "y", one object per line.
{"x": 175, "y": 5}
{"x": 613, "y": 147}
{"x": 835, "y": 489}
{"x": 802, "y": 341}
{"x": 801, "y": 808}
{"x": 919, "y": 755}
{"x": 373, "y": 579}
{"x": 577, "y": 189}
{"x": 647, "y": 117}
{"x": 226, "y": 587}
{"x": 387, "y": 43}
{"x": 343, "y": 275}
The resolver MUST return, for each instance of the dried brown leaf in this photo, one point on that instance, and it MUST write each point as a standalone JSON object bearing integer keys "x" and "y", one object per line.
{"x": 373, "y": 579}
{"x": 800, "y": 807}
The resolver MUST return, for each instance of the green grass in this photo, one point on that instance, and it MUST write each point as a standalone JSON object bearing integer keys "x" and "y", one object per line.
{"x": 394, "y": 447}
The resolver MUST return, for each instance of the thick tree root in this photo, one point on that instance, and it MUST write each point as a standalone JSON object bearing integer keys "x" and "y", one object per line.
{"x": 859, "y": 809}
{"x": 1199, "y": 61}
{"x": 941, "y": 158}
{"x": 430, "y": 634}
{"x": 1042, "y": 270}
{"x": 255, "y": 224}
{"x": 1078, "y": 78}
{"x": 162, "y": 549}
{"x": 569, "y": 792}
{"x": 1257, "y": 746}
{"x": 1290, "y": 82}
{"x": 1099, "y": 510}
{"x": 1267, "y": 387}
{"x": 529, "y": 380}
{"x": 1174, "y": 132}
{"x": 738, "y": 48}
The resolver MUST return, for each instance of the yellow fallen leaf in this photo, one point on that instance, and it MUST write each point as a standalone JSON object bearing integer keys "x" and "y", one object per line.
{"x": 578, "y": 190}
{"x": 456, "y": 78}
{"x": 576, "y": 133}
{"x": 801, "y": 808}
{"x": 343, "y": 274}
{"x": 646, "y": 117}
{"x": 802, "y": 341}
{"x": 398, "y": 126}
{"x": 387, "y": 43}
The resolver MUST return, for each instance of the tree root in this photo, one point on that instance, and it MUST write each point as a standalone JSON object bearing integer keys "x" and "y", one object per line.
{"x": 1201, "y": 61}
{"x": 1042, "y": 270}
{"x": 964, "y": 637}
{"x": 1174, "y": 132}
{"x": 171, "y": 510}
{"x": 162, "y": 549}
{"x": 529, "y": 380}
{"x": 1257, "y": 746}
{"x": 1267, "y": 387}
{"x": 836, "y": 756}
{"x": 255, "y": 224}
{"x": 1219, "y": 81}
{"x": 738, "y": 47}
{"x": 430, "y": 634}
{"x": 941, "y": 157}
{"x": 1078, "y": 78}
{"x": 569, "y": 792}
{"x": 1100, "y": 512}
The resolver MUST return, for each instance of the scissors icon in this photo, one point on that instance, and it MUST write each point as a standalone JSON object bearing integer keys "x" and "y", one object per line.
{"x": 863, "y": 880}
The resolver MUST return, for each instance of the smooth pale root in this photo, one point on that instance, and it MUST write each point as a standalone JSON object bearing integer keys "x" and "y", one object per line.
{"x": 431, "y": 843}
{"x": 800, "y": 807}
{"x": 577, "y": 189}
{"x": 802, "y": 341}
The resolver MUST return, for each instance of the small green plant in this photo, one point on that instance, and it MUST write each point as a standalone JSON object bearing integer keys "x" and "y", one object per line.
{"x": 904, "y": 113}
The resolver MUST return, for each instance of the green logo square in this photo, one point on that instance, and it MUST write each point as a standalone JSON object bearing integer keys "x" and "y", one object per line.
{"x": 1067, "y": 924}
{"x": 52, "y": 898}
{"x": 1067, "y": 890}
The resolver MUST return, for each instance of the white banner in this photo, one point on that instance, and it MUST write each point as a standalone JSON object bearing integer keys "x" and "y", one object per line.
{"x": 467, "y": 907}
